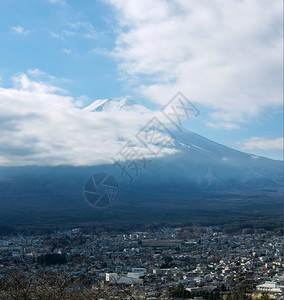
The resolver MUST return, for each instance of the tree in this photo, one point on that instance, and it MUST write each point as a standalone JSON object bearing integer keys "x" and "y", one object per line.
{"x": 179, "y": 292}
{"x": 237, "y": 296}
{"x": 52, "y": 259}
{"x": 265, "y": 296}
{"x": 59, "y": 286}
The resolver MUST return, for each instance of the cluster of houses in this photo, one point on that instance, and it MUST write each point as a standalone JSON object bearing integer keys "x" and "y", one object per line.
{"x": 157, "y": 260}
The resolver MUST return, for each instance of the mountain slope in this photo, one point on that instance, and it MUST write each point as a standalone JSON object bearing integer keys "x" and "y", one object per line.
{"x": 198, "y": 178}
{"x": 201, "y": 162}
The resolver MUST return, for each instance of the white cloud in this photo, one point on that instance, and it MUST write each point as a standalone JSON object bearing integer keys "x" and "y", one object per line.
{"x": 55, "y": 35}
{"x": 226, "y": 55}
{"x": 77, "y": 29}
{"x": 20, "y": 30}
{"x": 260, "y": 143}
{"x": 68, "y": 33}
{"x": 223, "y": 125}
{"x": 81, "y": 101}
{"x": 44, "y": 78}
{"x": 22, "y": 82}
{"x": 41, "y": 125}
{"x": 67, "y": 51}
{"x": 100, "y": 51}
{"x": 62, "y": 2}
{"x": 85, "y": 29}
{"x": 36, "y": 73}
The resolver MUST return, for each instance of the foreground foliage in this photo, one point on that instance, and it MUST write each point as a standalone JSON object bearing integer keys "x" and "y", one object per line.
{"x": 60, "y": 287}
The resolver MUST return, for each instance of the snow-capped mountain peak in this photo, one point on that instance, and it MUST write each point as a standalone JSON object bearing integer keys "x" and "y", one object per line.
{"x": 114, "y": 104}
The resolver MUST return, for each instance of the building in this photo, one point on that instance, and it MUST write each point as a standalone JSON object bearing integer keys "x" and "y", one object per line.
{"x": 269, "y": 286}
{"x": 162, "y": 243}
{"x": 122, "y": 279}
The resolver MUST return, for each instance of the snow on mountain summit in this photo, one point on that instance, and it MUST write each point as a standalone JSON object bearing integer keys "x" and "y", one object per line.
{"x": 185, "y": 141}
{"x": 114, "y": 104}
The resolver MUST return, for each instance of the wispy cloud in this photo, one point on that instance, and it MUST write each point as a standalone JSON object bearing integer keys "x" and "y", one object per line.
{"x": 223, "y": 125}
{"x": 62, "y": 2}
{"x": 36, "y": 72}
{"x": 23, "y": 83}
{"x": 36, "y": 75}
{"x": 67, "y": 51}
{"x": 55, "y": 35}
{"x": 101, "y": 51}
{"x": 20, "y": 30}
{"x": 77, "y": 29}
{"x": 224, "y": 55}
{"x": 86, "y": 29}
{"x": 260, "y": 143}
{"x": 68, "y": 33}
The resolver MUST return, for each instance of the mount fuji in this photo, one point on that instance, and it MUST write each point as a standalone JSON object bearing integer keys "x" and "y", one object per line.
{"x": 200, "y": 162}
{"x": 193, "y": 176}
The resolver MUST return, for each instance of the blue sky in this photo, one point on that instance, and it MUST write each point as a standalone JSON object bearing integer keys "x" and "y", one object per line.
{"x": 226, "y": 57}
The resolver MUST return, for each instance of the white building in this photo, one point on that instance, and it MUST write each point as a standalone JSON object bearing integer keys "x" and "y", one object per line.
{"x": 269, "y": 286}
{"x": 122, "y": 279}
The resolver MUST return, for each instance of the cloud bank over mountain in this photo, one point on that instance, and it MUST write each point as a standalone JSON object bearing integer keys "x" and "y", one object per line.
{"x": 42, "y": 125}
